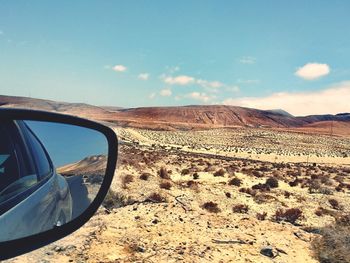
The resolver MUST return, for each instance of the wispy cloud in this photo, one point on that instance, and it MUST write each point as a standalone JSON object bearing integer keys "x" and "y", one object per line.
{"x": 247, "y": 60}
{"x": 234, "y": 88}
{"x": 203, "y": 97}
{"x": 172, "y": 70}
{"x": 181, "y": 80}
{"x": 209, "y": 84}
{"x": 185, "y": 80}
{"x": 165, "y": 92}
{"x": 143, "y": 76}
{"x": 311, "y": 71}
{"x": 334, "y": 99}
{"x": 119, "y": 68}
{"x": 152, "y": 95}
{"x": 248, "y": 81}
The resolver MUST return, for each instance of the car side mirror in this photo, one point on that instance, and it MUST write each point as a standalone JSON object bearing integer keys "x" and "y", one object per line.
{"x": 55, "y": 171}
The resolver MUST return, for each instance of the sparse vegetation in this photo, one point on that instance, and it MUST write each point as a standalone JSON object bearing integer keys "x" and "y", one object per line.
{"x": 290, "y": 215}
{"x": 235, "y": 181}
{"x": 333, "y": 244}
{"x": 240, "y": 208}
{"x": 115, "y": 200}
{"x": 145, "y": 176}
{"x": 126, "y": 179}
{"x": 334, "y": 203}
{"x": 220, "y": 172}
{"x": 185, "y": 171}
{"x": 261, "y": 216}
{"x": 165, "y": 185}
{"x": 272, "y": 182}
{"x": 163, "y": 173}
{"x": 156, "y": 198}
{"x": 211, "y": 207}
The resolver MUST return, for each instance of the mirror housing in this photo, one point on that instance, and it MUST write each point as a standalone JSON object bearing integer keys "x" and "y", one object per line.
{"x": 16, "y": 247}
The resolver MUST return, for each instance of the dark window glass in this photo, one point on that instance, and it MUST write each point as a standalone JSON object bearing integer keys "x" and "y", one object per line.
{"x": 9, "y": 170}
{"x": 39, "y": 154}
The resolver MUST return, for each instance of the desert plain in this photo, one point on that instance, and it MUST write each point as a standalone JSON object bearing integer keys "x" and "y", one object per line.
{"x": 219, "y": 195}
{"x": 215, "y": 184}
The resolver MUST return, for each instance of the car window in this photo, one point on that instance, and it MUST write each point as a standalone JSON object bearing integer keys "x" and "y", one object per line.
{"x": 39, "y": 154}
{"x": 9, "y": 170}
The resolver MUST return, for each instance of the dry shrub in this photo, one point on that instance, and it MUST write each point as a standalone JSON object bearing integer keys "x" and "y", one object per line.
{"x": 220, "y": 172}
{"x": 314, "y": 186}
{"x": 334, "y": 203}
{"x": 257, "y": 174}
{"x": 133, "y": 247}
{"x": 235, "y": 181}
{"x": 264, "y": 198}
{"x": 228, "y": 195}
{"x": 193, "y": 185}
{"x": 240, "y": 208}
{"x": 339, "y": 188}
{"x": 145, "y": 176}
{"x": 115, "y": 200}
{"x": 248, "y": 191}
{"x": 165, "y": 185}
{"x": 185, "y": 171}
{"x": 320, "y": 211}
{"x": 211, "y": 207}
{"x": 195, "y": 176}
{"x": 339, "y": 178}
{"x": 261, "y": 216}
{"x": 294, "y": 183}
{"x": 287, "y": 194}
{"x": 290, "y": 215}
{"x": 156, "y": 198}
{"x": 261, "y": 187}
{"x": 163, "y": 173}
{"x": 333, "y": 244}
{"x": 272, "y": 182}
{"x": 126, "y": 179}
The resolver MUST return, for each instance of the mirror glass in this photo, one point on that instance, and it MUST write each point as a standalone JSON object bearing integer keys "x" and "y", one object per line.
{"x": 49, "y": 174}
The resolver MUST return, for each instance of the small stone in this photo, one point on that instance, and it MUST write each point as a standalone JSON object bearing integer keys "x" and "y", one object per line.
{"x": 268, "y": 251}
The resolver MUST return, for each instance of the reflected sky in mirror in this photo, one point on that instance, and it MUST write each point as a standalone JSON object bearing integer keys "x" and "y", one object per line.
{"x": 68, "y": 143}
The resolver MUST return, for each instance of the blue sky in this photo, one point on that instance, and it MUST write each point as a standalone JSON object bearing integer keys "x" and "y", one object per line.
{"x": 264, "y": 54}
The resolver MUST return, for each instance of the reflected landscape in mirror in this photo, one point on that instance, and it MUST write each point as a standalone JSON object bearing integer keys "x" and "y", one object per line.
{"x": 49, "y": 174}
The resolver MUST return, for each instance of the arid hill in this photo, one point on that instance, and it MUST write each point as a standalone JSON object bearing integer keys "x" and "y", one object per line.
{"x": 185, "y": 117}
{"x": 78, "y": 109}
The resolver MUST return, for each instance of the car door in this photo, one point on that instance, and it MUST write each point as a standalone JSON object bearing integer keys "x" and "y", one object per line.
{"x": 30, "y": 202}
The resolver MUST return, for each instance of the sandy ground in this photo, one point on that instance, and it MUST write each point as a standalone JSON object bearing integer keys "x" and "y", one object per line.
{"x": 175, "y": 225}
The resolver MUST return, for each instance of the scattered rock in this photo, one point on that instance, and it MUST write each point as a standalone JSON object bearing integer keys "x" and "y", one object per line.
{"x": 269, "y": 252}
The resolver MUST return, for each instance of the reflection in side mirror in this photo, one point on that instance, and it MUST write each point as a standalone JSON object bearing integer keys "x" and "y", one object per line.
{"x": 49, "y": 174}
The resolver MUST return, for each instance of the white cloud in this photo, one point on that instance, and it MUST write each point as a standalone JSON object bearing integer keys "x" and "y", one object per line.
{"x": 233, "y": 88}
{"x": 311, "y": 71}
{"x": 182, "y": 80}
{"x": 247, "y": 60}
{"x": 328, "y": 101}
{"x": 143, "y": 76}
{"x": 203, "y": 97}
{"x": 248, "y": 81}
{"x": 165, "y": 92}
{"x": 119, "y": 68}
{"x": 172, "y": 70}
{"x": 209, "y": 84}
{"x": 152, "y": 95}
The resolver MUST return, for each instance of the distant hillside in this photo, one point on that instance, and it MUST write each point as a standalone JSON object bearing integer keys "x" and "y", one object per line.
{"x": 78, "y": 109}
{"x": 186, "y": 117}
{"x": 205, "y": 116}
